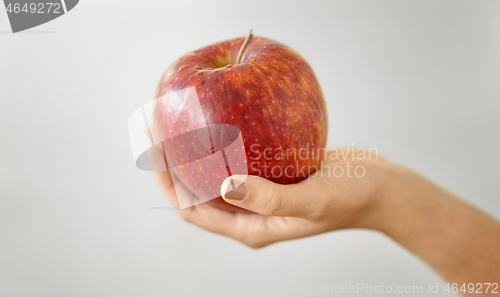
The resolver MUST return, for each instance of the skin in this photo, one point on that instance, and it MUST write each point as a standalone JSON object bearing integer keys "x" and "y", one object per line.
{"x": 459, "y": 241}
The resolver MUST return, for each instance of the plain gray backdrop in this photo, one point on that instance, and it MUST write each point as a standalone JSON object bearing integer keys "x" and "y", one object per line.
{"x": 419, "y": 80}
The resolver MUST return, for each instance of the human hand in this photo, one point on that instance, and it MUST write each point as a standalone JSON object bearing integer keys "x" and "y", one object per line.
{"x": 346, "y": 192}
{"x": 459, "y": 241}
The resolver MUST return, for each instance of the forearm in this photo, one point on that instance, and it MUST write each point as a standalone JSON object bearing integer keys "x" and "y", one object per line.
{"x": 459, "y": 241}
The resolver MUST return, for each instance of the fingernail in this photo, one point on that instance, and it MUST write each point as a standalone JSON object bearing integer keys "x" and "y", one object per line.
{"x": 239, "y": 193}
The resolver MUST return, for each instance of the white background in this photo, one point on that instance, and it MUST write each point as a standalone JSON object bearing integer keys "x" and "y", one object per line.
{"x": 419, "y": 80}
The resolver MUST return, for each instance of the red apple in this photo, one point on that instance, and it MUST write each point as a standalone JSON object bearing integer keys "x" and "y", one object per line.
{"x": 271, "y": 95}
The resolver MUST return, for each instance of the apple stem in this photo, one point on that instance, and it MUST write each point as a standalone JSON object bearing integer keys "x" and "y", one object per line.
{"x": 244, "y": 46}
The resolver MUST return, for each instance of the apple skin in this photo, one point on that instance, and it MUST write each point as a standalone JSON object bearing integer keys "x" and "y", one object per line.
{"x": 272, "y": 96}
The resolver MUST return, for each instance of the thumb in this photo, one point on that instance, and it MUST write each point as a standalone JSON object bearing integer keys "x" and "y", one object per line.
{"x": 268, "y": 198}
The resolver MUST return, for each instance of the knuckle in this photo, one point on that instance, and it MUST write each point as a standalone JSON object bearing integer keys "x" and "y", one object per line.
{"x": 272, "y": 202}
{"x": 252, "y": 239}
{"x": 185, "y": 216}
{"x": 318, "y": 213}
{"x": 255, "y": 244}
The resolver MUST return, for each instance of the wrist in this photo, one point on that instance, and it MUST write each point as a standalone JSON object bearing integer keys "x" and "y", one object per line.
{"x": 411, "y": 207}
{"x": 401, "y": 199}
{"x": 445, "y": 231}
{"x": 389, "y": 186}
